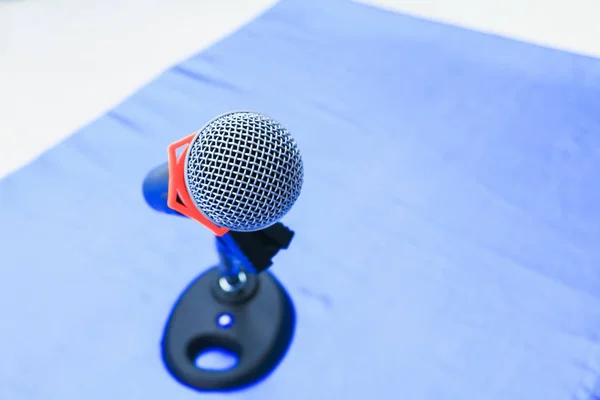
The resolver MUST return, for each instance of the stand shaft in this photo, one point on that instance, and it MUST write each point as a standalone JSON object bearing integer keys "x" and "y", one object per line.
{"x": 233, "y": 276}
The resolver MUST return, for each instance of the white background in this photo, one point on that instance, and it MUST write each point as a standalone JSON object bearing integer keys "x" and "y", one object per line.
{"x": 63, "y": 63}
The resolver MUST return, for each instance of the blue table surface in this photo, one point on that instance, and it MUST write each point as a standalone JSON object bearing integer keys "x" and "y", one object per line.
{"x": 447, "y": 232}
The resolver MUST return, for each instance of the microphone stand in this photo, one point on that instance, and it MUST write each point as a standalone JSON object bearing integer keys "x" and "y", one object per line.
{"x": 259, "y": 314}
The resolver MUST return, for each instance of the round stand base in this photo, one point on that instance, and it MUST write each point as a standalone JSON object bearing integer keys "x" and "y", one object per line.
{"x": 256, "y": 324}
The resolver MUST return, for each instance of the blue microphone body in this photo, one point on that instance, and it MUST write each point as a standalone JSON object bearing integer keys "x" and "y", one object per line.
{"x": 156, "y": 188}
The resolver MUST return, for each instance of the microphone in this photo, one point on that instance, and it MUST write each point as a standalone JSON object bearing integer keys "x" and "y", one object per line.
{"x": 241, "y": 172}
{"x": 238, "y": 176}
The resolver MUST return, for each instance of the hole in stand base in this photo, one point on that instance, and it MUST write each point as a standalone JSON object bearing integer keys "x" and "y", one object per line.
{"x": 216, "y": 359}
{"x": 225, "y": 320}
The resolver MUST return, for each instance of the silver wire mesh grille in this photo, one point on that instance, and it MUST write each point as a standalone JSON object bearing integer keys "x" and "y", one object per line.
{"x": 244, "y": 171}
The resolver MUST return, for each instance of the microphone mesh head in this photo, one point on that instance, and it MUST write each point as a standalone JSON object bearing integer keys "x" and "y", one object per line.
{"x": 244, "y": 171}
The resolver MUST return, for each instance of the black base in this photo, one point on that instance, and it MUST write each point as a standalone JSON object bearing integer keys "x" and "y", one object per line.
{"x": 263, "y": 325}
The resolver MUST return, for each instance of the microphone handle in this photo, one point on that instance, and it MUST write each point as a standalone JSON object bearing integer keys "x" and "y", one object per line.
{"x": 156, "y": 189}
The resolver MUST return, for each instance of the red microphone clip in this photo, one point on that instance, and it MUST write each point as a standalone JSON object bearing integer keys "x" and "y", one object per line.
{"x": 178, "y": 197}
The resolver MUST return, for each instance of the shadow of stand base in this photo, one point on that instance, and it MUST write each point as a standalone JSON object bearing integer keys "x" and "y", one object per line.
{"x": 237, "y": 307}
